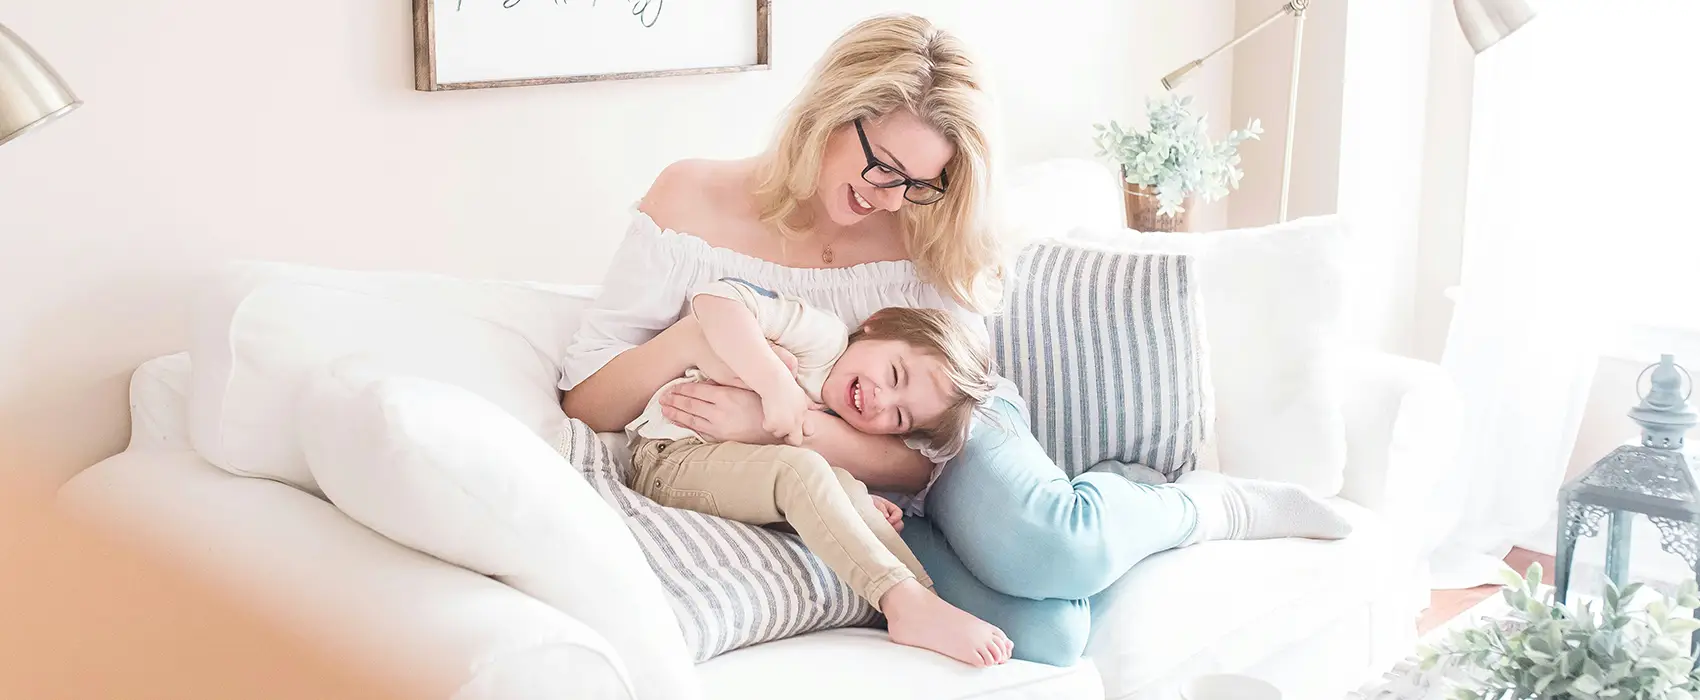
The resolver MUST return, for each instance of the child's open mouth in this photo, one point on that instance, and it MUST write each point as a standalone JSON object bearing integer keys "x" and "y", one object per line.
{"x": 856, "y": 394}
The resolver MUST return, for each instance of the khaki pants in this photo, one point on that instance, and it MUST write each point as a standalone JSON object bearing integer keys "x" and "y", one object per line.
{"x": 766, "y": 484}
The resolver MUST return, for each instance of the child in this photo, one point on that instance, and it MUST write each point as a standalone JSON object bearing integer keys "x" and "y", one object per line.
{"x": 918, "y": 373}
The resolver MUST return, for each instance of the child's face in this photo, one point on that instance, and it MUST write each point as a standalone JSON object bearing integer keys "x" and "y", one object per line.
{"x": 887, "y": 387}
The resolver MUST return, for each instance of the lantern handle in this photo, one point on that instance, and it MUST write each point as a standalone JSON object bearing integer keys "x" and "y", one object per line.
{"x": 1685, "y": 375}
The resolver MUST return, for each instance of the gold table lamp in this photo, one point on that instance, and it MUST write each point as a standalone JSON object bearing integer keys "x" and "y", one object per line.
{"x": 31, "y": 93}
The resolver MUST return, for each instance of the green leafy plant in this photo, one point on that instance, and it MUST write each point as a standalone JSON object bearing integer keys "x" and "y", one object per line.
{"x": 1174, "y": 154}
{"x": 1621, "y": 651}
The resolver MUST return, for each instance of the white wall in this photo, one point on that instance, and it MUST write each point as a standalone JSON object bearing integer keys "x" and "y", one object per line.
{"x": 1262, "y": 81}
{"x": 289, "y": 131}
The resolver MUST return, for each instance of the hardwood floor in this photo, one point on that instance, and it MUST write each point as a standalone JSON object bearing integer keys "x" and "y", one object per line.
{"x": 1445, "y": 605}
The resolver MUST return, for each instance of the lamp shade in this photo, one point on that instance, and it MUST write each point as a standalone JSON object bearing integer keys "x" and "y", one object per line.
{"x": 31, "y": 94}
{"x": 1485, "y": 22}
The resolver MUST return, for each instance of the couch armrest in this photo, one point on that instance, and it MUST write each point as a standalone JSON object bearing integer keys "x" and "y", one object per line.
{"x": 357, "y": 595}
{"x": 1402, "y": 425}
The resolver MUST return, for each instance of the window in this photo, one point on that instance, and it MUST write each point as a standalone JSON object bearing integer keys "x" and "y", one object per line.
{"x": 1587, "y": 137}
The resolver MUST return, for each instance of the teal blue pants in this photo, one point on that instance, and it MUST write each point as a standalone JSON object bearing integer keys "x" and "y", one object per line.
{"x": 1011, "y": 539}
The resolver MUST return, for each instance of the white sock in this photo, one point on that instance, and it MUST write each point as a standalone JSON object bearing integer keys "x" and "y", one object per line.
{"x": 1248, "y": 509}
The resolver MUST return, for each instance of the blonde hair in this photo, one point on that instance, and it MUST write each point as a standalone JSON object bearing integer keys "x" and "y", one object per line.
{"x": 880, "y": 66}
{"x": 967, "y": 366}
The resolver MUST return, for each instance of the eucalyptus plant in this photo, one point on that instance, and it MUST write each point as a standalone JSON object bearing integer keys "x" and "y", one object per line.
{"x": 1174, "y": 154}
{"x": 1621, "y": 650}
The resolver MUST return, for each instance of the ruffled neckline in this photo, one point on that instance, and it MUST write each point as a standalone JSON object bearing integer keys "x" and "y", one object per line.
{"x": 878, "y": 272}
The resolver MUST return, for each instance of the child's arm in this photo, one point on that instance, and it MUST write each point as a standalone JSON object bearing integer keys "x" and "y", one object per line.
{"x": 736, "y": 338}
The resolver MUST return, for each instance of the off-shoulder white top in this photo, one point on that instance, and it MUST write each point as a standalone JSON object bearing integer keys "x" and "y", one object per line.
{"x": 647, "y": 285}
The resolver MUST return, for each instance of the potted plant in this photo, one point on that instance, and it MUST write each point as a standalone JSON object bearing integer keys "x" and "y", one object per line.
{"x": 1624, "y": 650}
{"x": 1172, "y": 162}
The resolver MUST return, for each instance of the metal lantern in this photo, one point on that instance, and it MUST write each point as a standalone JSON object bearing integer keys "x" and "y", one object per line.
{"x": 1653, "y": 478}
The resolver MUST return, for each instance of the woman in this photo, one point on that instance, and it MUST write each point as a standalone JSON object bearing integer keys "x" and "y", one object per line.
{"x": 872, "y": 196}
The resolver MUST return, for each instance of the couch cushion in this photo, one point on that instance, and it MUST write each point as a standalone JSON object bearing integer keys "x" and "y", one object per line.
{"x": 730, "y": 584}
{"x": 1107, "y": 349}
{"x": 159, "y": 403}
{"x": 1226, "y": 606}
{"x": 444, "y": 471}
{"x": 1274, "y": 302}
{"x": 862, "y": 665}
{"x": 260, "y": 328}
{"x": 349, "y": 591}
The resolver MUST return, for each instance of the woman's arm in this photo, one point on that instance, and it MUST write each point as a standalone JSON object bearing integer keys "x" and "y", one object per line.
{"x": 628, "y": 345}
{"x": 615, "y": 395}
{"x": 882, "y": 462}
{"x": 729, "y": 414}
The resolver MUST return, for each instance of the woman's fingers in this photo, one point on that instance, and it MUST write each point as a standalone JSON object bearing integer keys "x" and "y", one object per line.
{"x": 688, "y": 421}
{"x": 679, "y": 400}
{"x": 685, "y": 411}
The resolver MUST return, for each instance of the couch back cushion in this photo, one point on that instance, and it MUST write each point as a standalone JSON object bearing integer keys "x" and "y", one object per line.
{"x": 1107, "y": 349}
{"x": 261, "y": 328}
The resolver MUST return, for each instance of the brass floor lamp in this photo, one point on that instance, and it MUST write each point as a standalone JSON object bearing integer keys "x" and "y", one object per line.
{"x": 31, "y": 93}
{"x": 1484, "y": 22}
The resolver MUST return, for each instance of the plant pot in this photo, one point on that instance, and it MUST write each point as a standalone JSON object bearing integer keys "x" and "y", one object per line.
{"x": 1141, "y": 205}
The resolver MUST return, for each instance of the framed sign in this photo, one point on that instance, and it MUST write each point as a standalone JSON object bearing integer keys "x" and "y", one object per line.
{"x": 467, "y": 44}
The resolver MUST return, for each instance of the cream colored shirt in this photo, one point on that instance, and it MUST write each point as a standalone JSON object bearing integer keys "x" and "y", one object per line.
{"x": 816, "y": 337}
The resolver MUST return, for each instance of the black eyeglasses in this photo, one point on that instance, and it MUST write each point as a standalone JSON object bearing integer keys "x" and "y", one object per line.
{"x": 884, "y": 176}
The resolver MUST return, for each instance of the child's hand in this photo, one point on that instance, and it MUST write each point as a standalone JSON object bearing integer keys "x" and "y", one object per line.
{"x": 785, "y": 414}
{"x": 893, "y": 514}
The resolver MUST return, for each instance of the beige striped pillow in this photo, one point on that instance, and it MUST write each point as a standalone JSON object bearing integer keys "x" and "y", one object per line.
{"x": 1107, "y": 349}
{"x": 731, "y": 585}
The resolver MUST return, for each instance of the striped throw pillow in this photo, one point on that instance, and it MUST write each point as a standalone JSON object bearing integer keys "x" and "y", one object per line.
{"x": 730, "y": 584}
{"x": 1107, "y": 349}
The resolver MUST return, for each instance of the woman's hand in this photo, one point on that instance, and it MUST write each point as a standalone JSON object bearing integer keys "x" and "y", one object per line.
{"x": 719, "y": 413}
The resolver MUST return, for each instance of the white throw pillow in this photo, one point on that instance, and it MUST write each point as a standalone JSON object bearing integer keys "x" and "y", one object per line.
{"x": 1274, "y": 303}
{"x": 444, "y": 471}
{"x": 263, "y": 327}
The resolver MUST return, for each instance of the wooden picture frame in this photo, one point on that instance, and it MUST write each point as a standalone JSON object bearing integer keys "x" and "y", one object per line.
{"x": 426, "y": 50}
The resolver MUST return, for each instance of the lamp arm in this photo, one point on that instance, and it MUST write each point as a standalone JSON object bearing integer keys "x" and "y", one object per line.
{"x": 1292, "y": 116}
{"x": 1295, "y": 8}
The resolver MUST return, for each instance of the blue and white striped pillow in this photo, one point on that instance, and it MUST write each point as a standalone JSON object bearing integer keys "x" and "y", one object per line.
{"x": 1108, "y": 350}
{"x": 731, "y": 585}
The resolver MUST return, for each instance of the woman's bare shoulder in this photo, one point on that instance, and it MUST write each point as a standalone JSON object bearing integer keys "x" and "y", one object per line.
{"x": 704, "y": 198}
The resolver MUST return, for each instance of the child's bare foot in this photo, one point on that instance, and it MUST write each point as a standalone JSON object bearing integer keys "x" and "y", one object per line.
{"x": 917, "y": 617}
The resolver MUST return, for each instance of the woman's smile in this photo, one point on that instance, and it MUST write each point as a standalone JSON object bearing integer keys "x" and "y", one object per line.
{"x": 858, "y": 205}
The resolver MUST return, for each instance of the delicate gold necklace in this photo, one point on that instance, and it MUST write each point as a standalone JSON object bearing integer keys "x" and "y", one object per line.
{"x": 826, "y": 255}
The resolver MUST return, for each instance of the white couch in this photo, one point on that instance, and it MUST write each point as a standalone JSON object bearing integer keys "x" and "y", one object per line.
{"x": 1313, "y": 617}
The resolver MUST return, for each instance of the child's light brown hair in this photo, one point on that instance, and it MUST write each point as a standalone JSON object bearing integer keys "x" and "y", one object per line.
{"x": 963, "y": 353}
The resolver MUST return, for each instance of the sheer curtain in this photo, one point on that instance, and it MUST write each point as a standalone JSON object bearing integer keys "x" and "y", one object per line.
{"x": 1580, "y": 225}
